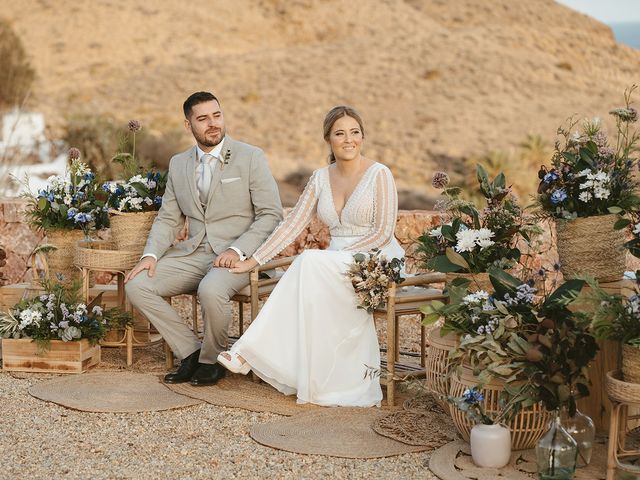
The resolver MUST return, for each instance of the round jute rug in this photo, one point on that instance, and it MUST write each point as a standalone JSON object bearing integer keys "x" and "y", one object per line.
{"x": 335, "y": 432}
{"x": 453, "y": 462}
{"x": 117, "y": 392}
{"x": 239, "y": 392}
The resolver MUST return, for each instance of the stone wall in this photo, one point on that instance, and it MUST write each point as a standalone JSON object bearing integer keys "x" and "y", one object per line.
{"x": 19, "y": 240}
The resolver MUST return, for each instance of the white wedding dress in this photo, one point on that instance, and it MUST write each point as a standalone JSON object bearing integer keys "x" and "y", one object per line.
{"x": 310, "y": 338}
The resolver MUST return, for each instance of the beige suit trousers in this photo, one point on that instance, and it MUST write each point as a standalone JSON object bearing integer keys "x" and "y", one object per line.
{"x": 187, "y": 274}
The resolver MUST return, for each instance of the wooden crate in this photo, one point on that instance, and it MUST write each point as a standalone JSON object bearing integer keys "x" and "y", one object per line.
{"x": 12, "y": 294}
{"x": 21, "y": 355}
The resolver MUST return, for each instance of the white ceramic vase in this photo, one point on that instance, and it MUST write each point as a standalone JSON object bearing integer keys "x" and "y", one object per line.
{"x": 490, "y": 445}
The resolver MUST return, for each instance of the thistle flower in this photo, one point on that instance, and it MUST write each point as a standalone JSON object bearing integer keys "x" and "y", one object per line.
{"x": 73, "y": 153}
{"x": 440, "y": 180}
{"x": 134, "y": 126}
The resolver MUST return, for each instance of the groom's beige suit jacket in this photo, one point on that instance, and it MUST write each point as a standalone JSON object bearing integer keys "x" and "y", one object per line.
{"x": 243, "y": 206}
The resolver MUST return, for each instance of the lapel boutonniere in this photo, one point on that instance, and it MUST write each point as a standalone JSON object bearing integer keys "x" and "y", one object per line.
{"x": 227, "y": 156}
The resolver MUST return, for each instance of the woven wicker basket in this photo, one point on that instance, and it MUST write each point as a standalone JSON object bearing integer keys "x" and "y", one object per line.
{"x": 621, "y": 391}
{"x": 60, "y": 261}
{"x": 437, "y": 362}
{"x": 526, "y": 428}
{"x": 590, "y": 245}
{"x": 631, "y": 364}
{"x": 129, "y": 231}
{"x": 101, "y": 255}
{"x": 479, "y": 281}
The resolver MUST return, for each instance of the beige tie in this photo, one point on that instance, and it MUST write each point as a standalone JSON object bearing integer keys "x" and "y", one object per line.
{"x": 204, "y": 177}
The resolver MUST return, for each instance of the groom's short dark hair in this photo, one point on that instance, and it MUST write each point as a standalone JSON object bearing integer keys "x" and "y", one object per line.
{"x": 195, "y": 99}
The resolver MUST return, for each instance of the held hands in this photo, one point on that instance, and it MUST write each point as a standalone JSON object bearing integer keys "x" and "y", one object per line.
{"x": 244, "y": 266}
{"x": 227, "y": 259}
{"x": 146, "y": 263}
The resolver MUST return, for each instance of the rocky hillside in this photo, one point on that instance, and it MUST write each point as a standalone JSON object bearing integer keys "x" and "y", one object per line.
{"x": 436, "y": 80}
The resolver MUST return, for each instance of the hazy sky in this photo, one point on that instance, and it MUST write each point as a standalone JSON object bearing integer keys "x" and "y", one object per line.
{"x": 608, "y": 11}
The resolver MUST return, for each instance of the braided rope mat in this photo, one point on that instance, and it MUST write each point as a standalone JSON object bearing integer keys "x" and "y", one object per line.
{"x": 453, "y": 462}
{"x": 117, "y": 392}
{"x": 336, "y": 432}
{"x": 423, "y": 422}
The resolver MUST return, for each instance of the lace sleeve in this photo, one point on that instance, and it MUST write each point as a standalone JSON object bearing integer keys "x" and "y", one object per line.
{"x": 385, "y": 214}
{"x": 292, "y": 226}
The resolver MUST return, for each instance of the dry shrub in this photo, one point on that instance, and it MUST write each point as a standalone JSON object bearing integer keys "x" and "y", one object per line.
{"x": 99, "y": 138}
{"x": 16, "y": 73}
{"x": 520, "y": 166}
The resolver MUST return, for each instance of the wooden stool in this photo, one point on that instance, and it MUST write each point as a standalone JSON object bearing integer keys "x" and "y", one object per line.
{"x": 622, "y": 395}
{"x": 406, "y": 299}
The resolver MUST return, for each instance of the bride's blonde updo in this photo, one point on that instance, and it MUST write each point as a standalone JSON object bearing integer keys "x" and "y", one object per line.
{"x": 334, "y": 114}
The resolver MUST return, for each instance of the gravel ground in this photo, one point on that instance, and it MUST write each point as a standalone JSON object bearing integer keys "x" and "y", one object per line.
{"x": 40, "y": 440}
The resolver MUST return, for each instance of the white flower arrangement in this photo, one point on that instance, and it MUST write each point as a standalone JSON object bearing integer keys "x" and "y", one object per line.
{"x": 468, "y": 239}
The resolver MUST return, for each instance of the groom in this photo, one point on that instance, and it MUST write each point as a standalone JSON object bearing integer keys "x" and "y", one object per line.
{"x": 227, "y": 193}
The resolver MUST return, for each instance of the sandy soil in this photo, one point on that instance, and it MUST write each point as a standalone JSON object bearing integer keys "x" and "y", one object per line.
{"x": 435, "y": 80}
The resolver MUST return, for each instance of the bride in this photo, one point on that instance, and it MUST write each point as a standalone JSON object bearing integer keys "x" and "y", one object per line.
{"x": 310, "y": 339}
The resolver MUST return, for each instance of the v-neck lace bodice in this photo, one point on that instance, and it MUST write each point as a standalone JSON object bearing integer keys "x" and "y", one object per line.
{"x": 368, "y": 216}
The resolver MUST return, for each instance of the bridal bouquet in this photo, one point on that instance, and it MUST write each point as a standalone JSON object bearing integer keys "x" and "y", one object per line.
{"x": 519, "y": 334}
{"x": 142, "y": 191}
{"x": 371, "y": 275}
{"x": 471, "y": 241}
{"x": 588, "y": 175}
{"x": 58, "y": 314}
{"x": 68, "y": 202}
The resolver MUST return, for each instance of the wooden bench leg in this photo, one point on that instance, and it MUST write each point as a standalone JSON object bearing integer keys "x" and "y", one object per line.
{"x": 423, "y": 341}
{"x": 194, "y": 312}
{"x": 391, "y": 347}
{"x": 168, "y": 356}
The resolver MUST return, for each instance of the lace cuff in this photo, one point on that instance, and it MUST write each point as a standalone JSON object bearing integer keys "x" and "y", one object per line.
{"x": 292, "y": 226}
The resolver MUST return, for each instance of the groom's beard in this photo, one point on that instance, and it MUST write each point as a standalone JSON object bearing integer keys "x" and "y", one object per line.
{"x": 211, "y": 137}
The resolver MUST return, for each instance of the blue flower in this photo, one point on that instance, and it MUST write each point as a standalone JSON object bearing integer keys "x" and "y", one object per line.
{"x": 558, "y": 196}
{"x": 105, "y": 187}
{"x": 472, "y": 396}
{"x": 550, "y": 177}
{"x": 72, "y": 212}
{"x": 46, "y": 194}
{"x": 89, "y": 176}
{"x": 157, "y": 200}
{"x": 83, "y": 218}
{"x": 119, "y": 190}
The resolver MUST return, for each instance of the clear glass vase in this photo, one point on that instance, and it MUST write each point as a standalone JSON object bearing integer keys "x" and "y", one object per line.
{"x": 583, "y": 431}
{"x": 556, "y": 453}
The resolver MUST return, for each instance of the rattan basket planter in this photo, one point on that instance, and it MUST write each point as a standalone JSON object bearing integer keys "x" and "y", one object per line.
{"x": 478, "y": 281}
{"x": 621, "y": 391}
{"x": 631, "y": 364}
{"x": 102, "y": 256}
{"x": 60, "y": 261}
{"x": 437, "y": 362}
{"x": 22, "y": 355}
{"x": 526, "y": 428}
{"x": 129, "y": 231}
{"x": 590, "y": 245}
